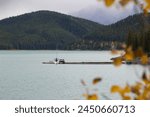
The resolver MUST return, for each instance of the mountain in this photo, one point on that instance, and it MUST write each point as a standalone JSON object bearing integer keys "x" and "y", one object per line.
{"x": 138, "y": 23}
{"x": 135, "y": 23}
{"x": 44, "y": 30}
{"x": 51, "y": 30}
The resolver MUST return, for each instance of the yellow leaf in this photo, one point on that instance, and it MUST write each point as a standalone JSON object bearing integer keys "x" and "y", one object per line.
{"x": 124, "y": 97}
{"x": 146, "y": 94}
{"x": 144, "y": 59}
{"x": 147, "y": 1}
{"x": 129, "y": 55}
{"x": 140, "y": 97}
{"x": 97, "y": 80}
{"x": 115, "y": 89}
{"x": 117, "y": 61}
{"x": 108, "y": 3}
{"x": 145, "y": 11}
{"x": 126, "y": 90}
{"x": 92, "y": 97}
{"x": 147, "y": 7}
{"x": 147, "y": 82}
{"x": 139, "y": 52}
{"x": 136, "y": 89}
{"x": 124, "y": 2}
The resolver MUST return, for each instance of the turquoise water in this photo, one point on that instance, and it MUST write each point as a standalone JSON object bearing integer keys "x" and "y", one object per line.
{"x": 23, "y": 76}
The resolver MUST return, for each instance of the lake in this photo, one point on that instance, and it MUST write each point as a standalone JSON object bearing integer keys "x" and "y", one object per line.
{"x": 24, "y": 77}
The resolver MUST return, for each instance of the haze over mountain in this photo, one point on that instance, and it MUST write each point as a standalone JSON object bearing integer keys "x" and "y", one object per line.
{"x": 104, "y": 15}
{"x": 10, "y": 8}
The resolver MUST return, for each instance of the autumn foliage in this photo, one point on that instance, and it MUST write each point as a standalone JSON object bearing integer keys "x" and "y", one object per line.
{"x": 140, "y": 90}
{"x": 143, "y": 4}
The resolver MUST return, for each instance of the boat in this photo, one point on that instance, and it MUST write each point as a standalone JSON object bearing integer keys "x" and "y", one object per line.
{"x": 56, "y": 61}
{"x": 59, "y": 61}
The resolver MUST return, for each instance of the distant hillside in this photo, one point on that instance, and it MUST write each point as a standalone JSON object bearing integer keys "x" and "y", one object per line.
{"x": 51, "y": 30}
{"x": 136, "y": 23}
{"x": 44, "y": 30}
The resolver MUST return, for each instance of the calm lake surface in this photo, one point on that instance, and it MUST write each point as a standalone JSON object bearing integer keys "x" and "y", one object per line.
{"x": 23, "y": 76}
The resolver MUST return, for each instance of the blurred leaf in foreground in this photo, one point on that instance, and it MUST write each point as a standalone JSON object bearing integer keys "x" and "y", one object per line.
{"x": 92, "y": 97}
{"x": 108, "y": 3}
{"x": 117, "y": 61}
{"x": 97, "y": 80}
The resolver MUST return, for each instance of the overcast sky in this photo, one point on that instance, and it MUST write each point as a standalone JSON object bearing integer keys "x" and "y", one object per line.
{"x": 16, "y": 7}
{"x": 10, "y": 8}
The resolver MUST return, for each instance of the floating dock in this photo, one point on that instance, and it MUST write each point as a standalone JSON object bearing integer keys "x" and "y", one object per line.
{"x": 94, "y": 63}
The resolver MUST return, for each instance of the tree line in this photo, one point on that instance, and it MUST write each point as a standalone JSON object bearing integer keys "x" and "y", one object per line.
{"x": 137, "y": 40}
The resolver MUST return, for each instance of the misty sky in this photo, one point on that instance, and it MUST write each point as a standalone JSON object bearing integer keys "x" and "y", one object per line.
{"x": 16, "y": 7}
{"x": 10, "y": 8}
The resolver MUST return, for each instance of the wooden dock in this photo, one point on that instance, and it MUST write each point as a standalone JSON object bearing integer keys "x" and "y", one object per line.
{"x": 90, "y": 63}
